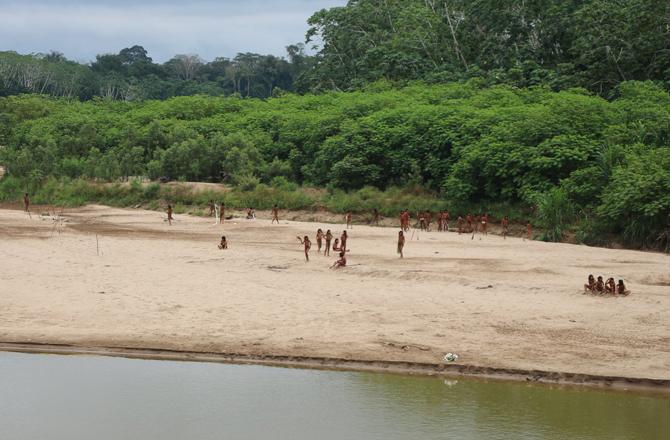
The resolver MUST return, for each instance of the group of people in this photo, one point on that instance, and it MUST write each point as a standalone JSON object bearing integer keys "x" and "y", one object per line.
{"x": 323, "y": 240}
{"x": 600, "y": 287}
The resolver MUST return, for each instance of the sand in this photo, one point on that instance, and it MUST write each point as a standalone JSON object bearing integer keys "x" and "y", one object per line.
{"x": 497, "y": 303}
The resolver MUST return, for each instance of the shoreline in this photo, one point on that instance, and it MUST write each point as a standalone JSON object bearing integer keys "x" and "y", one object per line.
{"x": 471, "y": 372}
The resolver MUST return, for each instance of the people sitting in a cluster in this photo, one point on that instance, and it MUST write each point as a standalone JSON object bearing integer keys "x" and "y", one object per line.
{"x": 601, "y": 287}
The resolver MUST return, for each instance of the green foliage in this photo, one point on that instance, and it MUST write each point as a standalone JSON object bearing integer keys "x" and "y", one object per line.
{"x": 555, "y": 213}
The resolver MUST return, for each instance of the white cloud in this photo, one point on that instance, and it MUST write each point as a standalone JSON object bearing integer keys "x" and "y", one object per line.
{"x": 82, "y": 29}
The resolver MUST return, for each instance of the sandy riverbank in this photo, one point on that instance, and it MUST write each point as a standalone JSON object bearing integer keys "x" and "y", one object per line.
{"x": 149, "y": 286}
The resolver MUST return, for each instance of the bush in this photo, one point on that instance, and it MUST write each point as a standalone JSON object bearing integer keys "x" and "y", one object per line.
{"x": 555, "y": 213}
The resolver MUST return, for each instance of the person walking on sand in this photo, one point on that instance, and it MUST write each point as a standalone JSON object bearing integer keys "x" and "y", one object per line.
{"x": 275, "y": 215}
{"x": 348, "y": 218}
{"x": 308, "y": 245}
{"x": 26, "y": 202}
{"x": 224, "y": 243}
{"x": 505, "y": 227}
{"x": 329, "y": 238}
{"x": 401, "y": 243}
{"x": 169, "y": 214}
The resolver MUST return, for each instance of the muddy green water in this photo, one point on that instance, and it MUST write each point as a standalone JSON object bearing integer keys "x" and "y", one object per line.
{"x": 74, "y": 397}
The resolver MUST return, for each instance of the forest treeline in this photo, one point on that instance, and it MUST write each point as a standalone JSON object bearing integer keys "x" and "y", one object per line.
{"x": 576, "y": 158}
{"x": 561, "y": 44}
{"x": 132, "y": 75}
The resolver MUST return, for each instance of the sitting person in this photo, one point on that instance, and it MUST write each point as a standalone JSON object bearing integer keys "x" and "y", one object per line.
{"x": 336, "y": 245}
{"x": 224, "y": 243}
{"x": 591, "y": 284}
{"x": 621, "y": 288}
{"x": 609, "y": 286}
{"x": 342, "y": 262}
{"x": 251, "y": 214}
{"x": 600, "y": 285}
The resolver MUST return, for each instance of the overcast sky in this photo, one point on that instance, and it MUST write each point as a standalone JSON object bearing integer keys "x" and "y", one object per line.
{"x": 83, "y": 28}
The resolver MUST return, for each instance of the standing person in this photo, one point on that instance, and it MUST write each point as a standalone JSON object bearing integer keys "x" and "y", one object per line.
{"x": 402, "y": 220}
{"x": 429, "y": 219}
{"x": 343, "y": 241}
{"x": 275, "y": 217}
{"x": 169, "y": 214}
{"x": 348, "y": 217}
{"x": 446, "y": 219}
{"x": 401, "y": 243}
{"x": 505, "y": 227}
{"x": 407, "y": 220}
{"x": 26, "y": 202}
{"x": 308, "y": 245}
{"x": 319, "y": 239}
{"x": 422, "y": 220}
{"x": 485, "y": 223}
{"x": 222, "y": 213}
{"x": 329, "y": 238}
{"x": 468, "y": 220}
{"x": 459, "y": 223}
{"x": 529, "y": 231}
{"x": 375, "y": 217}
{"x": 212, "y": 208}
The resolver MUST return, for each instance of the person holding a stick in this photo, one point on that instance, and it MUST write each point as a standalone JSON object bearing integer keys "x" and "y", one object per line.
{"x": 308, "y": 244}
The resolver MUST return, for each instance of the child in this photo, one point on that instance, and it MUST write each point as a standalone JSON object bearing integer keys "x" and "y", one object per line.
{"x": 621, "y": 288}
{"x": 505, "y": 227}
{"x": 401, "y": 243}
{"x": 275, "y": 216}
{"x": 319, "y": 239}
{"x": 224, "y": 243}
{"x": 342, "y": 262}
{"x": 336, "y": 245}
{"x": 591, "y": 285}
{"x": 308, "y": 244}
{"x": 169, "y": 214}
{"x": 329, "y": 238}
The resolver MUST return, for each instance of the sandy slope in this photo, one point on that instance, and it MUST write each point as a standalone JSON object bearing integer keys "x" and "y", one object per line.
{"x": 170, "y": 287}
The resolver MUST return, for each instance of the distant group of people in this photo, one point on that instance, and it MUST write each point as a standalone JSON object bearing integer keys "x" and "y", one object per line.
{"x": 339, "y": 245}
{"x": 598, "y": 286}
